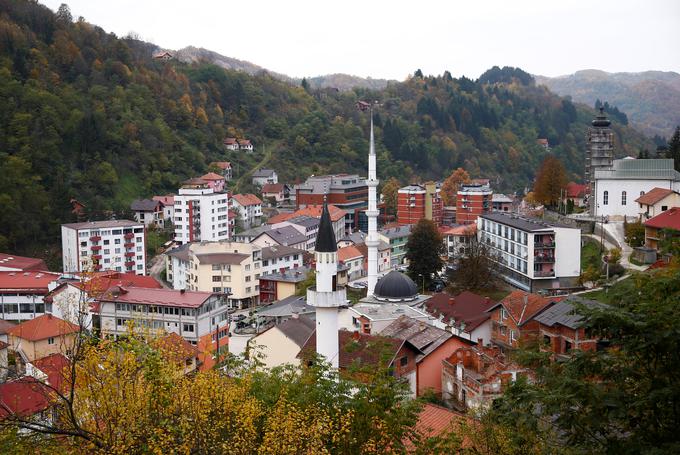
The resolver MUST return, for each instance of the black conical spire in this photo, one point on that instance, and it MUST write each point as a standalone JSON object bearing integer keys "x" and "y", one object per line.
{"x": 325, "y": 238}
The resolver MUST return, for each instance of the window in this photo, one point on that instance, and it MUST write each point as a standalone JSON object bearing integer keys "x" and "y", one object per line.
{"x": 664, "y": 208}
{"x": 605, "y": 198}
{"x": 50, "y": 340}
{"x": 188, "y": 327}
{"x": 216, "y": 267}
{"x": 247, "y": 267}
{"x": 567, "y": 346}
{"x": 403, "y": 361}
{"x": 513, "y": 336}
{"x": 216, "y": 279}
{"x": 248, "y": 279}
{"x": 623, "y": 198}
{"x": 116, "y": 241}
{"x": 546, "y": 340}
{"x": 106, "y": 242}
{"x": 504, "y": 314}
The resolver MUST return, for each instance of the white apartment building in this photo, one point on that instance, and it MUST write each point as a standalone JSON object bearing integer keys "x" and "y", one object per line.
{"x": 195, "y": 316}
{"x": 280, "y": 257}
{"x": 201, "y": 214}
{"x": 22, "y": 294}
{"x": 532, "y": 254}
{"x": 249, "y": 209}
{"x": 118, "y": 245}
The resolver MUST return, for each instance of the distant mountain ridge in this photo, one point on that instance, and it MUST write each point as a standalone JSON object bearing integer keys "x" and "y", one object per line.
{"x": 340, "y": 81}
{"x": 651, "y": 99}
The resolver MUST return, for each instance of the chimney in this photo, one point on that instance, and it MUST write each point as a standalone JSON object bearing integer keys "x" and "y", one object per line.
{"x": 452, "y": 301}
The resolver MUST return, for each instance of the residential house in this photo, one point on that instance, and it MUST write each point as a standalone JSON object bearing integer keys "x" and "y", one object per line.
{"x": 501, "y": 203}
{"x": 282, "y": 284}
{"x": 561, "y": 330}
{"x": 314, "y": 211}
{"x": 224, "y": 167}
{"x": 384, "y": 263}
{"x": 473, "y": 377}
{"x": 22, "y": 294}
{"x": 285, "y": 309}
{"x": 577, "y": 193}
{"x": 373, "y": 318}
{"x": 118, "y": 245}
{"x": 512, "y": 318}
{"x": 179, "y": 351}
{"x": 360, "y": 354}
{"x": 435, "y": 345}
{"x": 280, "y": 257}
{"x": 245, "y": 145}
{"x": 230, "y": 143}
{"x": 14, "y": 263}
{"x": 396, "y": 237}
{"x": 415, "y": 202}
{"x": 249, "y": 235}
{"x": 249, "y": 209}
{"x": 148, "y": 212}
{"x": 306, "y": 225}
{"x": 657, "y": 201}
{"x": 163, "y": 55}
{"x": 352, "y": 257}
{"x": 464, "y": 315}
{"x": 665, "y": 224}
{"x": 201, "y": 213}
{"x": 199, "y": 317}
{"x": 355, "y": 238}
{"x": 457, "y": 240}
{"x": 285, "y": 235}
{"x": 281, "y": 343}
{"x": 277, "y": 192}
{"x": 347, "y": 192}
{"x": 177, "y": 266}
{"x": 215, "y": 181}
{"x": 617, "y": 188}
{"x": 472, "y": 200}
{"x": 42, "y": 336}
{"x": 168, "y": 202}
{"x": 532, "y": 254}
{"x": 263, "y": 176}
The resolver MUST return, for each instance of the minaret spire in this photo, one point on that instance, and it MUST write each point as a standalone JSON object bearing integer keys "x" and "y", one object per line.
{"x": 372, "y": 213}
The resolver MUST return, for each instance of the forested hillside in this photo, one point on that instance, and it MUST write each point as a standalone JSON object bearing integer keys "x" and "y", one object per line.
{"x": 87, "y": 115}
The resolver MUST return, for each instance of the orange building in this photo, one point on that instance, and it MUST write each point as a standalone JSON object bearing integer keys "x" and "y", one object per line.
{"x": 512, "y": 317}
{"x": 471, "y": 201}
{"x": 415, "y": 202}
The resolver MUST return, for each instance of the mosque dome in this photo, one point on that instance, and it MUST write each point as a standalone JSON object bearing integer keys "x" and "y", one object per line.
{"x": 395, "y": 286}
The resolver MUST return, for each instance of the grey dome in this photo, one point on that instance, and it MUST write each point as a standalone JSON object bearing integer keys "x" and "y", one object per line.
{"x": 395, "y": 286}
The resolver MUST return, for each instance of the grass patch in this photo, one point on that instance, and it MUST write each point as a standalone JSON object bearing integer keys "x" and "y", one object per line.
{"x": 590, "y": 254}
{"x": 128, "y": 188}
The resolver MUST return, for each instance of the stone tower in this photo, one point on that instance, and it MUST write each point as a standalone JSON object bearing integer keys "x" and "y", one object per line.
{"x": 599, "y": 153}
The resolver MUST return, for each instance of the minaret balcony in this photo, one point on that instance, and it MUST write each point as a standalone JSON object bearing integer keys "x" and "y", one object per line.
{"x": 331, "y": 299}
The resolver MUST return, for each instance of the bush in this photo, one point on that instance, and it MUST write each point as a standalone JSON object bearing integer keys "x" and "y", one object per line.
{"x": 634, "y": 234}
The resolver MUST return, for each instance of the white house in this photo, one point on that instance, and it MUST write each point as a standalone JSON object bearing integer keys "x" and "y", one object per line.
{"x": 201, "y": 213}
{"x": 148, "y": 211}
{"x": 657, "y": 201}
{"x": 263, "y": 176}
{"x": 230, "y": 143}
{"x": 280, "y": 257}
{"x": 249, "y": 208}
{"x": 118, "y": 245}
{"x": 22, "y": 294}
{"x": 616, "y": 189}
{"x": 168, "y": 202}
{"x": 281, "y": 344}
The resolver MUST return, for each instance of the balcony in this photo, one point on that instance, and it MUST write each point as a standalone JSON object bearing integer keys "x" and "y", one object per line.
{"x": 130, "y": 254}
{"x": 96, "y": 247}
{"x": 129, "y": 235}
{"x": 129, "y": 263}
{"x": 95, "y": 238}
{"x": 544, "y": 244}
{"x": 96, "y": 257}
{"x": 543, "y": 259}
{"x": 98, "y": 267}
{"x": 544, "y": 273}
{"x": 129, "y": 245}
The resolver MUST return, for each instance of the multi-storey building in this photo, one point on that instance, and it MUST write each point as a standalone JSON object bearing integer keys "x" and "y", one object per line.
{"x": 249, "y": 209}
{"x": 280, "y": 285}
{"x": 201, "y": 214}
{"x": 148, "y": 212}
{"x": 396, "y": 237}
{"x": 280, "y": 258}
{"x": 22, "y": 294}
{"x": 599, "y": 151}
{"x": 224, "y": 167}
{"x": 415, "y": 202}
{"x": 472, "y": 201}
{"x": 228, "y": 267}
{"x": 286, "y": 236}
{"x": 348, "y": 192}
{"x": 263, "y": 176}
{"x": 532, "y": 254}
{"x": 14, "y": 263}
{"x": 215, "y": 181}
{"x": 118, "y": 245}
{"x": 168, "y": 202}
{"x": 457, "y": 240}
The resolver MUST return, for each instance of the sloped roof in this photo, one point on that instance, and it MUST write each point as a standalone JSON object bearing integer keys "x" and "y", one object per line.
{"x": 277, "y": 251}
{"x": 23, "y": 397}
{"x": 222, "y": 258}
{"x": 434, "y": 420}
{"x": 280, "y": 218}
{"x": 316, "y": 210}
{"x": 212, "y": 176}
{"x": 299, "y": 330}
{"x": 654, "y": 195}
{"x": 295, "y": 275}
{"x": 272, "y": 188}
{"x": 294, "y": 304}
{"x": 462, "y": 229}
{"x": 43, "y": 327}
{"x": 105, "y": 280}
{"x": 522, "y": 306}
{"x": 564, "y": 312}
{"x": 168, "y": 199}
{"x": 224, "y": 165}
{"x": 285, "y": 235}
{"x": 576, "y": 190}
{"x": 144, "y": 205}
{"x": 420, "y": 334}
{"x": 163, "y": 297}
{"x": 466, "y": 307}
{"x": 54, "y": 366}
{"x": 21, "y": 263}
{"x": 397, "y": 231}
{"x": 648, "y": 169}
{"x": 348, "y": 252}
{"x": 670, "y": 219}
{"x": 264, "y": 173}
{"x": 247, "y": 199}
{"x": 27, "y": 281}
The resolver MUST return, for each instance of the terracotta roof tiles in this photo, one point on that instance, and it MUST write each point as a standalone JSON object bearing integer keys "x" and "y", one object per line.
{"x": 43, "y": 327}
{"x": 653, "y": 196}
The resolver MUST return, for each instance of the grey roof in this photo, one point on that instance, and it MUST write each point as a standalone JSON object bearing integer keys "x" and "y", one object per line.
{"x": 254, "y": 232}
{"x": 297, "y": 329}
{"x": 564, "y": 313}
{"x": 497, "y": 197}
{"x": 286, "y": 235}
{"x": 354, "y": 237}
{"x": 420, "y": 334}
{"x": 304, "y": 221}
{"x": 522, "y": 223}
{"x": 396, "y": 285}
{"x": 181, "y": 252}
{"x": 103, "y": 224}
{"x": 650, "y": 169}
{"x": 222, "y": 258}
{"x": 278, "y": 251}
{"x": 144, "y": 205}
{"x": 396, "y": 232}
{"x": 287, "y": 307}
{"x": 385, "y": 311}
{"x": 325, "y": 238}
{"x": 289, "y": 276}
{"x": 260, "y": 173}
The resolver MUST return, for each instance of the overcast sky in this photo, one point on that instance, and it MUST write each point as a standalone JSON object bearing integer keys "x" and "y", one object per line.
{"x": 392, "y": 39}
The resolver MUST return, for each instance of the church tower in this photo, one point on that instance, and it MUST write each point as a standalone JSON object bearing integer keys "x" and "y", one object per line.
{"x": 599, "y": 153}
{"x": 372, "y": 213}
{"x": 326, "y": 296}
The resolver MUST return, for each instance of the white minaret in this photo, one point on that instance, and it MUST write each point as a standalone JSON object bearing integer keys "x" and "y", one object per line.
{"x": 372, "y": 213}
{"x": 326, "y": 296}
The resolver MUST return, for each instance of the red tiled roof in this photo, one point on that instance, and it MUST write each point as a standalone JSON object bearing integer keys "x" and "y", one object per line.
{"x": 106, "y": 280}
{"x": 653, "y": 196}
{"x": 27, "y": 281}
{"x": 433, "y": 420}
{"x": 168, "y": 199}
{"x": 176, "y": 348}
{"x": 247, "y": 199}
{"x": 43, "y": 327}
{"x": 280, "y": 218}
{"x": 55, "y": 367}
{"x": 163, "y": 297}
{"x": 576, "y": 190}
{"x": 464, "y": 229}
{"x": 229, "y": 141}
{"x": 348, "y": 252}
{"x": 272, "y": 188}
{"x": 522, "y": 305}
{"x": 211, "y": 176}
{"x": 23, "y": 397}
{"x": 21, "y": 263}
{"x": 466, "y": 306}
{"x": 670, "y": 219}
{"x": 243, "y": 142}
{"x": 315, "y": 212}
{"x": 224, "y": 165}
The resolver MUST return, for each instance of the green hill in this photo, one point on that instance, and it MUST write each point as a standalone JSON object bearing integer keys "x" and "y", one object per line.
{"x": 88, "y": 115}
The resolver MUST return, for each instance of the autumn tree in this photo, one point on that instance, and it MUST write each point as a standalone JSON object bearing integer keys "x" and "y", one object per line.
{"x": 551, "y": 181}
{"x": 451, "y": 184}
{"x": 477, "y": 268}
{"x": 390, "y": 191}
{"x": 424, "y": 250}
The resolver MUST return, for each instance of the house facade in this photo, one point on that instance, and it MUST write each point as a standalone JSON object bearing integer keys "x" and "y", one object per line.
{"x": 201, "y": 214}
{"x": 249, "y": 208}
{"x": 396, "y": 237}
{"x": 215, "y": 181}
{"x": 656, "y": 201}
{"x": 473, "y": 201}
{"x": 512, "y": 318}
{"x": 118, "y": 245}
{"x": 352, "y": 257}
{"x": 45, "y": 335}
{"x": 457, "y": 240}
{"x": 263, "y": 176}
{"x": 282, "y": 284}
{"x": 148, "y": 212}
{"x": 657, "y": 228}
{"x": 464, "y": 315}
{"x": 225, "y": 169}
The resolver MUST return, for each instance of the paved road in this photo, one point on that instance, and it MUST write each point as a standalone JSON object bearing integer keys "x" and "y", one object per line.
{"x": 157, "y": 266}
{"x": 615, "y": 229}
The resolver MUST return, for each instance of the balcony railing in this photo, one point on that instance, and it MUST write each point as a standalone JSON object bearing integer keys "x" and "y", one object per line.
{"x": 129, "y": 235}
{"x": 544, "y": 259}
{"x": 544, "y": 273}
{"x": 129, "y": 245}
{"x": 130, "y": 254}
{"x": 96, "y": 247}
{"x": 129, "y": 263}
{"x": 544, "y": 244}
{"x": 95, "y": 238}
{"x": 96, "y": 257}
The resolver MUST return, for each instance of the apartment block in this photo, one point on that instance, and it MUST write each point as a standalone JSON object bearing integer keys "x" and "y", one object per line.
{"x": 472, "y": 201}
{"x": 415, "y": 202}
{"x": 348, "y": 192}
{"x": 201, "y": 213}
{"x": 118, "y": 245}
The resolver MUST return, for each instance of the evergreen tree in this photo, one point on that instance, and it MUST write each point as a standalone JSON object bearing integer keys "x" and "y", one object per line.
{"x": 674, "y": 148}
{"x": 424, "y": 250}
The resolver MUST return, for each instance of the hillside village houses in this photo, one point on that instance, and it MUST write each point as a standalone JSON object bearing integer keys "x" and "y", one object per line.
{"x": 249, "y": 208}
{"x": 278, "y": 192}
{"x": 168, "y": 202}
{"x": 657, "y": 201}
{"x": 215, "y": 181}
{"x": 232, "y": 144}
{"x": 148, "y": 212}
{"x": 201, "y": 213}
{"x": 262, "y": 177}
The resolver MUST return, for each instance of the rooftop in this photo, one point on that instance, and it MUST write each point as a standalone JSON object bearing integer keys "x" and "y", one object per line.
{"x": 387, "y": 311}
{"x": 522, "y": 223}
{"x": 648, "y": 169}
{"x": 278, "y": 251}
{"x": 264, "y": 173}
{"x": 564, "y": 312}
{"x": 176, "y": 348}
{"x": 43, "y": 327}
{"x": 254, "y": 232}
{"x": 224, "y": 165}
{"x": 299, "y": 330}
{"x": 286, "y": 235}
{"x": 670, "y": 219}
{"x": 522, "y": 306}
{"x": 144, "y": 205}
{"x": 287, "y": 307}
{"x": 21, "y": 263}
{"x": 397, "y": 232}
{"x": 420, "y": 334}
{"x": 467, "y": 309}
{"x": 181, "y": 252}
{"x": 247, "y": 199}
{"x": 461, "y": 229}
{"x": 654, "y": 195}
{"x": 23, "y": 397}
{"x": 289, "y": 276}
{"x": 501, "y": 198}
{"x": 272, "y": 188}
{"x": 304, "y": 221}
{"x": 26, "y": 281}
{"x": 168, "y": 199}
{"x": 314, "y": 211}
{"x": 103, "y": 224}
{"x": 576, "y": 190}
{"x": 348, "y": 253}
{"x": 221, "y": 258}
{"x": 211, "y": 176}
{"x": 161, "y": 297}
